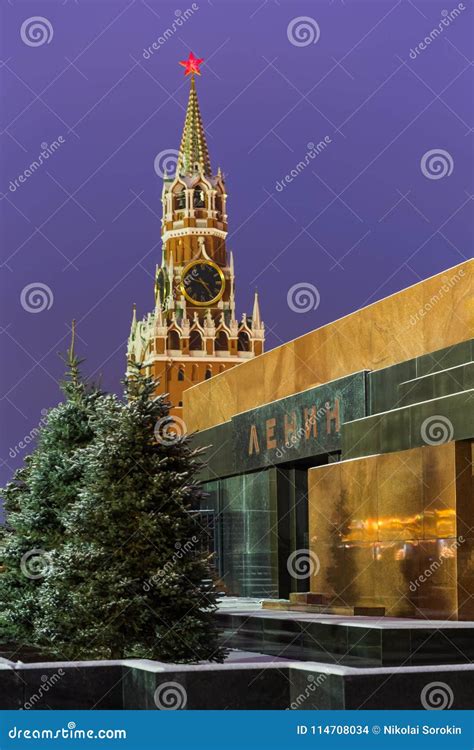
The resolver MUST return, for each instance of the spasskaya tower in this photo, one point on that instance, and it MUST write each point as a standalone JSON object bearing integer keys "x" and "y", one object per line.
{"x": 194, "y": 332}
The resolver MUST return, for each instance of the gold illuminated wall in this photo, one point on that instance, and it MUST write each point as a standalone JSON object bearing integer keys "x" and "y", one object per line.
{"x": 431, "y": 315}
{"x": 395, "y": 530}
{"x": 392, "y": 530}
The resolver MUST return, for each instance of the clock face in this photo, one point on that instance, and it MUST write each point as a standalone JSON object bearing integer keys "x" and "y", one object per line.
{"x": 202, "y": 283}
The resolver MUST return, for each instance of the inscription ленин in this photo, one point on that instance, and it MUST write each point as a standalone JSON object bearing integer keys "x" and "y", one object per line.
{"x": 264, "y": 437}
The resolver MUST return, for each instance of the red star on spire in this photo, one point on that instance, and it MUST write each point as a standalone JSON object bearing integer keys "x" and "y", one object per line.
{"x": 191, "y": 65}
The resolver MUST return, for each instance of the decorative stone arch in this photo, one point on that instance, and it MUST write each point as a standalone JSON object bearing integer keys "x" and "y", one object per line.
{"x": 208, "y": 373}
{"x": 200, "y": 178}
{"x": 181, "y": 374}
{"x": 200, "y": 195}
{"x": 196, "y": 339}
{"x": 179, "y": 200}
{"x": 174, "y": 339}
{"x": 221, "y": 343}
{"x": 243, "y": 340}
{"x": 178, "y": 196}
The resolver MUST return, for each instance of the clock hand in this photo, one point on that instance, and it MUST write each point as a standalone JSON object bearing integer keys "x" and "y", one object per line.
{"x": 203, "y": 283}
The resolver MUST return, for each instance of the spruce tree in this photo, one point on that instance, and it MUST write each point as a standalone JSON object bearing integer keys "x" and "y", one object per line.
{"x": 36, "y": 500}
{"x": 129, "y": 578}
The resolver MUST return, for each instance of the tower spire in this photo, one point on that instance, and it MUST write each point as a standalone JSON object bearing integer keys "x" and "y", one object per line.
{"x": 193, "y": 149}
{"x": 158, "y": 309}
{"x": 134, "y": 320}
{"x": 256, "y": 319}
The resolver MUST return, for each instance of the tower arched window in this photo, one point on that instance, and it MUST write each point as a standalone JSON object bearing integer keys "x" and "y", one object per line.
{"x": 243, "y": 344}
{"x": 219, "y": 205}
{"x": 195, "y": 341}
{"x": 222, "y": 342}
{"x": 180, "y": 200}
{"x": 208, "y": 374}
{"x": 199, "y": 197}
{"x": 180, "y": 374}
{"x": 194, "y": 373}
{"x": 173, "y": 340}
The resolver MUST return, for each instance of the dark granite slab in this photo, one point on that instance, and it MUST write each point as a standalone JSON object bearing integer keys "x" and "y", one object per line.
{"x": 352, "y": 641}
{"x": 409, "y": 426}
{"x": 404, "y": 689}
{"x": 442, "y": 359}
{"x": 240, "y": 685}
{"x": 438, "y": 384}
{"x": 384, "y": 384}
{"x": 11, "y": 688}
{"x": 70, "y": 686}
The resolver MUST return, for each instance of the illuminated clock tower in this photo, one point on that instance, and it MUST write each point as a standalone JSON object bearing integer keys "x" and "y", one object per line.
{"x": 193, "y": 333}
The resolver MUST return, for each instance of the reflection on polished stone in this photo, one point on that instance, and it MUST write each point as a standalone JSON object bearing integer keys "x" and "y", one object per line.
{"x": 245, "y": 533}
{"x": 343, "y": 640}
{"x": 384, "y": 530}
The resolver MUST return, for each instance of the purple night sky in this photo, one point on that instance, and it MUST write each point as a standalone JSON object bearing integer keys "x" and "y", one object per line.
{"x": 360, "y": 222}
